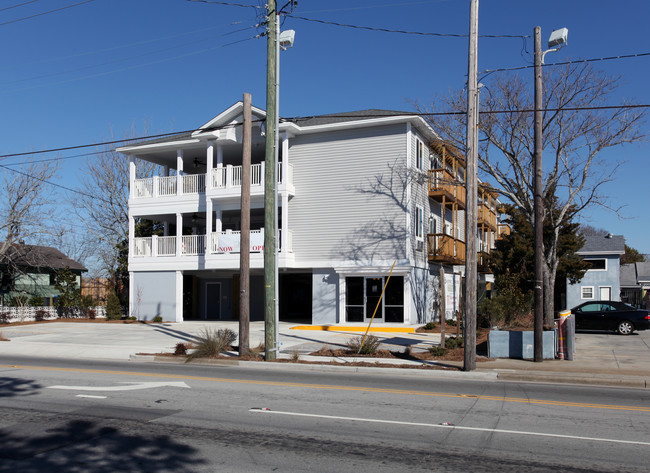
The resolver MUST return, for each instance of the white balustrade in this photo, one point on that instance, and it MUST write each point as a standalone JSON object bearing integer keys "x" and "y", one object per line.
{"x": 143, "y": 188}
{"x": 193, "y": 183}
{"x": 142, "y": 247}
{"x": 166, "y": 246}
{"x": 192, "y": 245}
{"x": 167, "y": 185}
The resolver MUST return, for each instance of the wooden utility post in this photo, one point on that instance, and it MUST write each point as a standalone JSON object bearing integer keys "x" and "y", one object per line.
{"x": 538, "y": 208}
{"x": 244, "y": 254}
{"x": 269, "y": 183}
{"x": 442, "y": 306}
{"x": 469, "y": 361}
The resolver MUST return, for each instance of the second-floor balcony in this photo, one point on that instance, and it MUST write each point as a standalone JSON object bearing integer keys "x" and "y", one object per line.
{"x": 217, "y": 243}
{"x": 443, "y": 248}
{"x": 219, "y": 180}
{"x": 486, "y": 216}
{"x": 442, "y": 184}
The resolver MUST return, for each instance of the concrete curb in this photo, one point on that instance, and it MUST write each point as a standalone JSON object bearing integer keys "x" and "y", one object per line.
{"x": 583, "y": 379}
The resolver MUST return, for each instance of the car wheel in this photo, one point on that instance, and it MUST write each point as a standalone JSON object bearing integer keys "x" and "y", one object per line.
{"x": 625, "y": 327}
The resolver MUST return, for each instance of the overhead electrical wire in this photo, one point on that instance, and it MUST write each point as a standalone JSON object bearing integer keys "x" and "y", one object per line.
{"x": 307, "y": 117}
{"x": 18, "y": 5}
{"x": 45, "y": 13}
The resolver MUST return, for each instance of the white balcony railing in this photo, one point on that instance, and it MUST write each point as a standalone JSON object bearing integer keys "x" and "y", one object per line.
{"x": 166, "y": 246}
{"x": 193, "y": 183}
{"x": 143, "y": 188}
{"x": 218, "y": 178}
{"x": 195, "y": 245}
{"x": 167, "y": 185}
{"x": 142, "y": 247}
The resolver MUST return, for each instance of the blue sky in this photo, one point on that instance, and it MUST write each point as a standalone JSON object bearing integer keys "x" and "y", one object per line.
{"x": 81, "y": 74}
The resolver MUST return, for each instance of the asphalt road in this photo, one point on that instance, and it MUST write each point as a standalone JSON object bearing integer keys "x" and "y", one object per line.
{"x": 104, "y": 417}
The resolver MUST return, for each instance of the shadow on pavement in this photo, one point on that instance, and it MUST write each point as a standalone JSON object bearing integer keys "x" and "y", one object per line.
{"x": 18, "y": 387}
{"x": 82, "y": 445}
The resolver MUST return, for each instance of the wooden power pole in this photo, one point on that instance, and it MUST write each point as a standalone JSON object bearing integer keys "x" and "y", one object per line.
{"x": 538, "y": 208}
{"x": 442, "y": 306}
{"x": 244, "y": 254}
{"x": 469, "y": 361}
{"x": 269, "y": 182}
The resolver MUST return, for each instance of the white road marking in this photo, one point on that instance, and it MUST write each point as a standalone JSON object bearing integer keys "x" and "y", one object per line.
{"x": 128, "y": 387}
{"x": 90, "y": 396}
{"x": 456, "y": 427}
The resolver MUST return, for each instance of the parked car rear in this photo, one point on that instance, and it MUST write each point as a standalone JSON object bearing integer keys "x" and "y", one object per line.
{"x": 610, "y": 315}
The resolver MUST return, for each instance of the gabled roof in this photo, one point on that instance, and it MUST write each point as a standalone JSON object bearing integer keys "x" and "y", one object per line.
{"x": 349, "y": 117}
{"x": 636, "y": 274}
{"x": 41, "y": 257}
{"x": 603, "y": 245}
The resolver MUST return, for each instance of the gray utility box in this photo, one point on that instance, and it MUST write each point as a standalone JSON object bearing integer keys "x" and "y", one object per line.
{"x": 511, "y": 344}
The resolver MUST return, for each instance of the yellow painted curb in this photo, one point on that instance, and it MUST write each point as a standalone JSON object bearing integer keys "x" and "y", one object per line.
{"x": 350, "y": 328}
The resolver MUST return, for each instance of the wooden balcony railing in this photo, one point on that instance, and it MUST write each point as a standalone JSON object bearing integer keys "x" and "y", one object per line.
{"x": 502, "y": 230}
{"x": 445, "y": 248}
{"x": 443, "y": 184}
{"x": 486, "y": 216}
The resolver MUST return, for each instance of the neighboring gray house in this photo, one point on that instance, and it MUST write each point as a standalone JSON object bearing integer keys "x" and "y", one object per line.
{"x": 357, "y": 192}
{"x": 635, "y": 284}
{"x": 602, "y": 280}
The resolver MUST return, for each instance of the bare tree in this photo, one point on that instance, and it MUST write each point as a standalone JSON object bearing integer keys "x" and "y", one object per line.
{"x": 25, "y": 201}
{"x": 103, "y": 205}
{"x": 576, "y": 130}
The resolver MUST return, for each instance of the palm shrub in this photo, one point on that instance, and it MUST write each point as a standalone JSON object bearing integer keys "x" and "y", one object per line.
{"x": 370, "y": 345}
{"x": 211, "y": 343}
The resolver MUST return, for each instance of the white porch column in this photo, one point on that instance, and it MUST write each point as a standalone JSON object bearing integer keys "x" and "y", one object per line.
{"x": 131, "y": 175}
{"x": 179, "y": 233}
{"x": 131, "y": 234}
{"x": 179, "y": 296}
{"x": 285, "y": 159}
{"x": 179, "y": 172}
{"x": 284, "y": 234}
{"x": 131, "y": 293}
{"x": 209, "y": 164}
{"x": 208, "y": 226}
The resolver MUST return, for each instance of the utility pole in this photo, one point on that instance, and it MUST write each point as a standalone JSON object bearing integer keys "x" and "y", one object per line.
{"x": 269, "y": 184}
{"x": 244, "y": 254}
{"x": 538, "y": 206}
{"x": 469, "y": 361}
{"x": 442, "y": 306}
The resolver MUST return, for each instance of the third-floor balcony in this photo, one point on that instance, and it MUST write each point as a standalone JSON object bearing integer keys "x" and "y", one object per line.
{"x": 443, "y": 185}
{"x": 219, "y": 181}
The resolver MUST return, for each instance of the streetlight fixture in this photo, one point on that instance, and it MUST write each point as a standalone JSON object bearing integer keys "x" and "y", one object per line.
{"x": 557, "y": 40}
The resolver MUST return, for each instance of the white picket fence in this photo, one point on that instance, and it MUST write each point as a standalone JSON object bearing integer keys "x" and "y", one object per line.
{"x": 27, "y": 314}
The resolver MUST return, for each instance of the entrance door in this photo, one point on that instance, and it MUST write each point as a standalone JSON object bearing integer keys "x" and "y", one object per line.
{"x": 605, "y": 293}
{"x": 213, "y": 300}
{"x": 374, "y": 288}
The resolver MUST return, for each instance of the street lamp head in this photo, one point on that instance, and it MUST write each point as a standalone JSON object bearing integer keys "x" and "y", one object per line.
{"x": 558, "y": 38}
{"x": 286, "y": 39}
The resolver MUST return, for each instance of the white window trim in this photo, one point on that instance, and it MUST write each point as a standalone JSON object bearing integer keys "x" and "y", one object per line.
{"x": 582, "y": 293}
{"x": 419, "y": 223}
{"x": 419, "y": 154}
{"x": 593, "y": 259}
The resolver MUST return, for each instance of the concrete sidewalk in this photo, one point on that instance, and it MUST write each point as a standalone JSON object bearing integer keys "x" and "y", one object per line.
{"x": 600, "y": 359}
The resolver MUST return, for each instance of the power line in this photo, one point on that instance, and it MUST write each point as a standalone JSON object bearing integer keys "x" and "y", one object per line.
{"x": 44, "y": 13}
{"x": 18, "y": 5}
{"x": 308, "y": 117}
{"x": 387, "y": 30}
{"x": 227, "y": 4}
{"x": 579, "y": 61}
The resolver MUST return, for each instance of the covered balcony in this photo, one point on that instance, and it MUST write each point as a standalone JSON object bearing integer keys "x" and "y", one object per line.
{"x": 444, "y": 187}
{"x": 216, "y": 243}
{"x": 443, "y": 248}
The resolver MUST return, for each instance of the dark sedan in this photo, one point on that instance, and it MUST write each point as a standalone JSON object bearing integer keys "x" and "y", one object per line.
{"x": 610, "y": 315}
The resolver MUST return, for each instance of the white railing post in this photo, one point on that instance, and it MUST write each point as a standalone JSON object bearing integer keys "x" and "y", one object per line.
{"x": 154, "y": 245}
{"x": 229, "y": 176}
{"x": 179, "y": 172}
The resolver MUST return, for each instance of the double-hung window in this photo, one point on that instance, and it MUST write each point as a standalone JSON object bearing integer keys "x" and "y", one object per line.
{"x": 419, "y": 223}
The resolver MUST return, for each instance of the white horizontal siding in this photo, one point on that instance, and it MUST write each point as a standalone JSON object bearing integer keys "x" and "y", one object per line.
{"x": 334, "y": 215}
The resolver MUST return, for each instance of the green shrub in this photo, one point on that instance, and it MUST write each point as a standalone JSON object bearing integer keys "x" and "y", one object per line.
{"x": 157, "y": 319}
{"x": 450, "y": 322}
{"x": 211, "y": 343}
{"x": 437, "y": 350}
{"x": 430, "y": 326}
{"x": 133, "y": 317}
{"x": 369, "y": 347}
{"x": 36, "y": 301}
{"x": 113, "y": 309}
{"x": 453, "y": 342}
